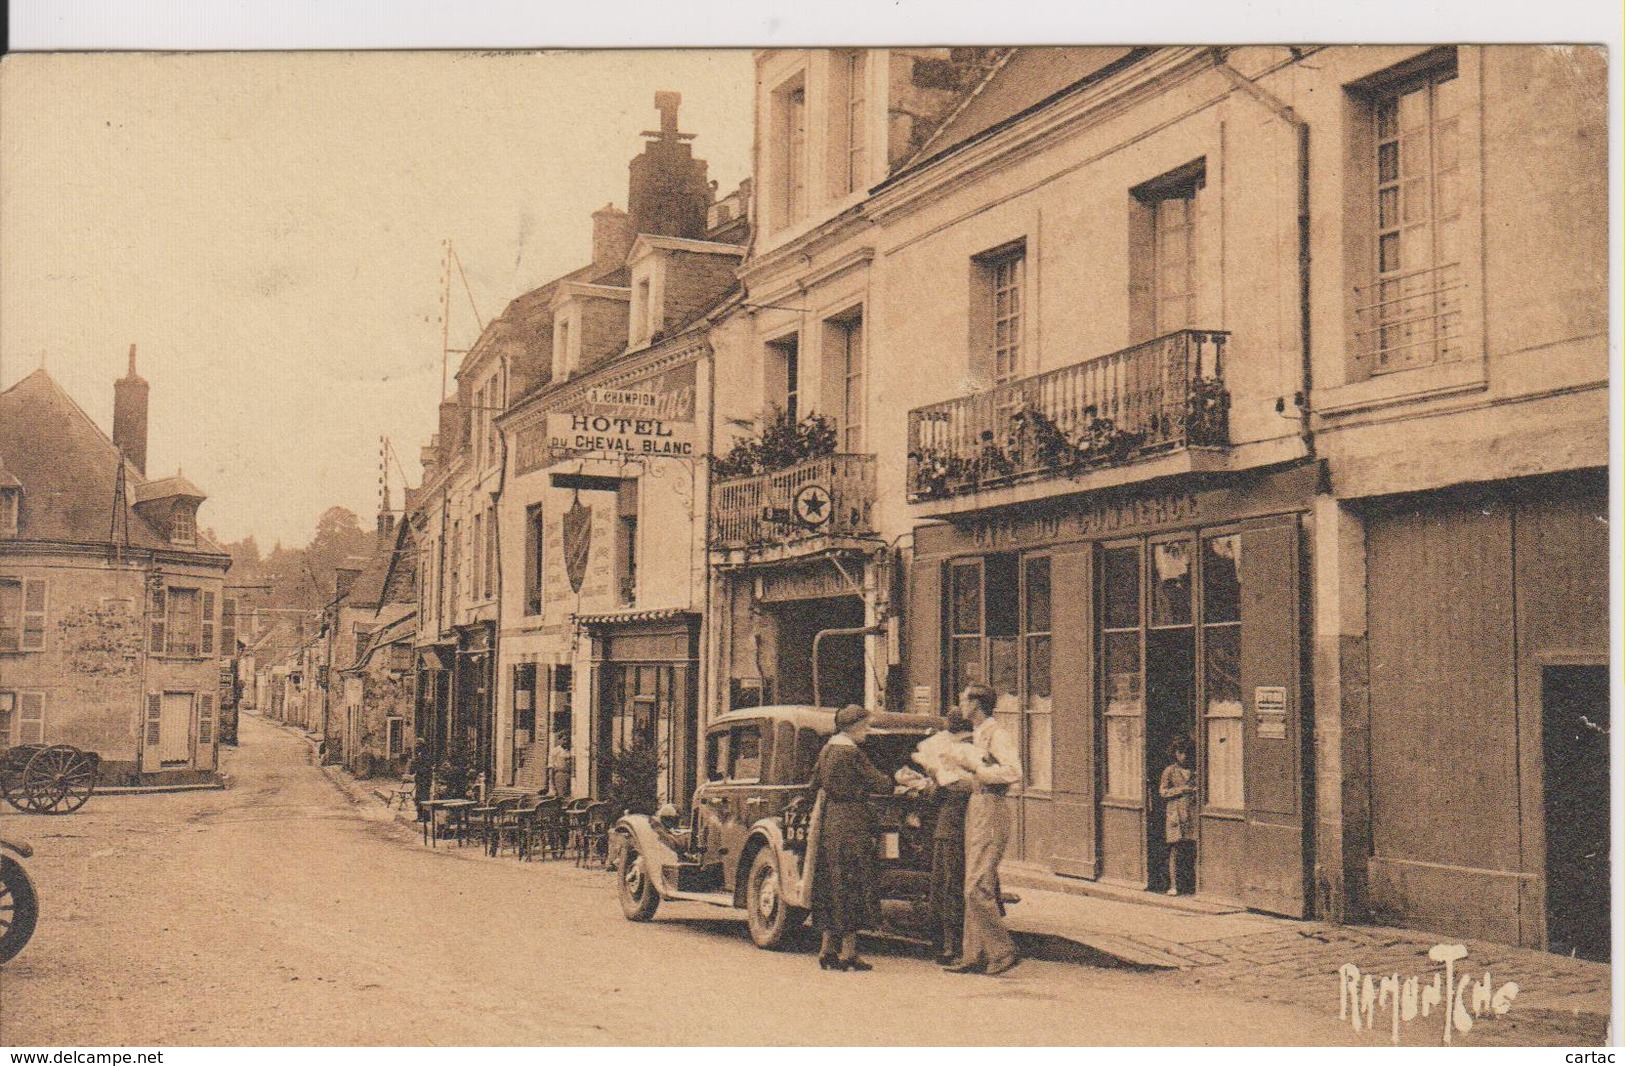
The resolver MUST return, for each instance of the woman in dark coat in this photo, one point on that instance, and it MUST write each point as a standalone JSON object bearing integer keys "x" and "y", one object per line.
{"x": 842, "y": 896}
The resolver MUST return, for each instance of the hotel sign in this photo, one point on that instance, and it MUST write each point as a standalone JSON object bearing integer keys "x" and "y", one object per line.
{"x": 618, "y": 436}
{"x": 650, "y": 418}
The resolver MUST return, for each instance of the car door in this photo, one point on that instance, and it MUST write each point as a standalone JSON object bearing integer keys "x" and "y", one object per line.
{"x": 737, "y": 807}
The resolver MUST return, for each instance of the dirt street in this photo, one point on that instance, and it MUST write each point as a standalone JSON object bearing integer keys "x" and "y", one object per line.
{"x": 283, "y": 912}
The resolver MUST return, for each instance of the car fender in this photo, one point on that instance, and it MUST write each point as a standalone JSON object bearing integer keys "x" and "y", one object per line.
{"x": 658, "y": 855}
{"x": 795, "y": 883}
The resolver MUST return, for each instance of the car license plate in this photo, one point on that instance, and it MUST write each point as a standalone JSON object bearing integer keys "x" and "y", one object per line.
{"x": 892, "y": 845}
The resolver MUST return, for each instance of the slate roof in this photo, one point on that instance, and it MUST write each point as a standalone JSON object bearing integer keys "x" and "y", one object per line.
{"x": 68, "y": 469}
{"x": 1023, "y": 80}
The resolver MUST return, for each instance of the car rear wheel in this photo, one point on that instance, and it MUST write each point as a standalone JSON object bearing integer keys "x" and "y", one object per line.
{"x": 639, "y": 899}
{"x": 771, "y": 918}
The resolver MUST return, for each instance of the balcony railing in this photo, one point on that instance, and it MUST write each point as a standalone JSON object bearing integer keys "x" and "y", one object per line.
{"x": 1158, "y": 396}
{"x": 831, "y": 496}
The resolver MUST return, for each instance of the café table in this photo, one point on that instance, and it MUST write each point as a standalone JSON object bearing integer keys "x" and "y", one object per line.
{"x": 456, "y": 816}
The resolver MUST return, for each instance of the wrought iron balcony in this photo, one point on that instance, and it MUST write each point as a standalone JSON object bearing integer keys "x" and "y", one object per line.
{"x": 1156, "y": 397}
{"x": 826, "y": 497}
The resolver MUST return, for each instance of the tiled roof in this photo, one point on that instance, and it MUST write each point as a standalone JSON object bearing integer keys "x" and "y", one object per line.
{"x": 68, "y": 469}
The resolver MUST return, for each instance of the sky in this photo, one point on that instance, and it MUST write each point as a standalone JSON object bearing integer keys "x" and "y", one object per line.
{"x": 268, "y": 230}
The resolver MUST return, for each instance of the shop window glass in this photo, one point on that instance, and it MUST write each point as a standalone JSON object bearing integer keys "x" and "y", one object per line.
{"x": 1171, "y": 584}
{"x": 1121, "y": 567}
{"x": 1221, "y": 579}
{"x": 1222, "y": 672}
{"x": 967, "y": 598}
{"x": 1125, "y": 708}
{"x": 1038, "y": 594}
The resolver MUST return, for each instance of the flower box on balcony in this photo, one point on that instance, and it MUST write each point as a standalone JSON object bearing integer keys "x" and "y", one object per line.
{"x": 1156, "y": 397}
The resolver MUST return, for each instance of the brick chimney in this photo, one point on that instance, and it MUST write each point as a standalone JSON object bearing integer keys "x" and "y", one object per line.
{"x": 612, "y": 237}
{"x": 668, "y": 193}
{"x": 130, "y": 416}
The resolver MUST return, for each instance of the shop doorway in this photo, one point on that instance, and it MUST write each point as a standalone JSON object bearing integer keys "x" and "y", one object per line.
{"x": 1574, "y": 732}
{"x": 1170, "y": 712}
{"x": 840, "y": 659}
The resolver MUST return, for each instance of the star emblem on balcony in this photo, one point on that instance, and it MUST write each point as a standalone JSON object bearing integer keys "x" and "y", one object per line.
{"x": 812, "y": 505}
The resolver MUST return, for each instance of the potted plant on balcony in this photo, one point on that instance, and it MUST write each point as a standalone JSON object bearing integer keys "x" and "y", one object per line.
{"x": 779, "y": 442}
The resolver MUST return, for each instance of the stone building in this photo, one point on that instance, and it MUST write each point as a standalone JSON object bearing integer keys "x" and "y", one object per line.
{"x": 375, "y": 724}
{"x": 1256, "y": 395}
{"x": 602, "y": 510}
{"x": 112, "y": 614}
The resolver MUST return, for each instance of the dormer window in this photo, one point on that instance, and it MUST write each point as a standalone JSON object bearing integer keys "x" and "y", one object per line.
{"x": 11, "y": 499}
{"x": 643, "y": 311}
{"x": 183, "y": 523}
{"x": 565, "y": 357}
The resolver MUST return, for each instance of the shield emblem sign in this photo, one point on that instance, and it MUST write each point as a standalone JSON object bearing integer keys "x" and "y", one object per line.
{"x": 577, "y": 542}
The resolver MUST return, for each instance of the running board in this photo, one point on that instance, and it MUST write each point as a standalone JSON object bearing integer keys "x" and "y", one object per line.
{"x": 716, "y": 899}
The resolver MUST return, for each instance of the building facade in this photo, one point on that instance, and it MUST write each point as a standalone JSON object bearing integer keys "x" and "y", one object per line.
{"x": 113, "y": 622}
{"x": 1203, "y": 392}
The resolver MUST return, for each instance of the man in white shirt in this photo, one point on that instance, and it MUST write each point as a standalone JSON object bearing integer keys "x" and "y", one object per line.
{"x": 995, "y": 765}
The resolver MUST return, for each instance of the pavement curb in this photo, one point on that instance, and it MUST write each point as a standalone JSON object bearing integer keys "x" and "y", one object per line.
{"x": 154, "y": 790}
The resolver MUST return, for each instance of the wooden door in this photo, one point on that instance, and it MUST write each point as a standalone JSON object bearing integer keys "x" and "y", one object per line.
{"x": 1273, "y": 878}
{"x": 175, "y": 729}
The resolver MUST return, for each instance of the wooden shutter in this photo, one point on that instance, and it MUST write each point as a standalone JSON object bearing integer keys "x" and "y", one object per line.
{"x": 205, "y": 721}
{"x": 228, "y": 625}
{"x": 155, "y": 717}
{"x": 160, "y": 609}
{"x": 31, "y": 718}
{"x": 1073, "y": 847}
{"x": 923, "y": 651}
{"x": 33, "y": 615}
{"x": 1274, "y": 878}
{"x": 208, "y": 623}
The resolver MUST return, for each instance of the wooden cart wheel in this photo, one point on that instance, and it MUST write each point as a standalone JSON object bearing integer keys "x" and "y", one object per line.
{"x": 59, "y": 779}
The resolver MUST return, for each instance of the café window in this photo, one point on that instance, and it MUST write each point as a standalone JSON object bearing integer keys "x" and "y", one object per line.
{"x": 999, "y": 635}
{"x": 1221, "y": 669}
{"x": 1123, "y": 698}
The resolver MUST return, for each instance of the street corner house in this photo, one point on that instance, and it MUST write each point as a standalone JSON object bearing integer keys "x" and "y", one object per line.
{"x": 113, "y": 613}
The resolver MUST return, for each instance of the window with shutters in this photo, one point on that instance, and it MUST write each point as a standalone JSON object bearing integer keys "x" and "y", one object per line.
{"x": 476, "y": 578}
{"x": 208, "y": 623}
{"x": 22, "y": 614}
{"x": 228, "y": 625}
{"x": 1412, "y": 200}
{"x": 178, "y": 623}
{"x": 490, "y": 552}
{"x": 8, "y": 717}
{"x": 997, "y": 312}
{"x": 1164, "y": 279}
{"x": 30, "y": 728}
{"x": 10, "y": 507}
{"x": 534, "y": 539}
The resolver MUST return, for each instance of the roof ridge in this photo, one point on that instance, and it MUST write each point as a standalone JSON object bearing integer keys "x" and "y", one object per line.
{"x": 976, "y": 90}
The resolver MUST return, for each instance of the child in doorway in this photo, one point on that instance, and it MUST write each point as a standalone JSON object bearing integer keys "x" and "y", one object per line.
{"x": 1178, "y": 789}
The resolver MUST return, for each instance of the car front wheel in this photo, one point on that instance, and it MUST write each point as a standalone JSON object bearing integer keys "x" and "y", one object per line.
{"x": 771, "y": 918}
{"x": 639, "y": 899}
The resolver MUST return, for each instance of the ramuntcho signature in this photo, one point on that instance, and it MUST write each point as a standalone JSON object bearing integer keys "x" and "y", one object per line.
{"x": 1363, "y": 997}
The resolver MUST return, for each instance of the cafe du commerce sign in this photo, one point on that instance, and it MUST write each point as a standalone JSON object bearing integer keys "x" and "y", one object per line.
{"x": 648, "y": 419}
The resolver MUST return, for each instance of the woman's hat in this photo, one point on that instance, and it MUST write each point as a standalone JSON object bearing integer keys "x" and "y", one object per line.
{"x": 849, "y": 716}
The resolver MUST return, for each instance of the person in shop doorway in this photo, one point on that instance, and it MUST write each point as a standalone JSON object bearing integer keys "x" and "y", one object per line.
{"x": 558, "y": 767}
{"x": 994, "y": 765}
{"x": 1178, "y": 790}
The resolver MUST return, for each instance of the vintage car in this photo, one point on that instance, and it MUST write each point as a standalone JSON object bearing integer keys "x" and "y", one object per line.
{"x": 751, "y": 839}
